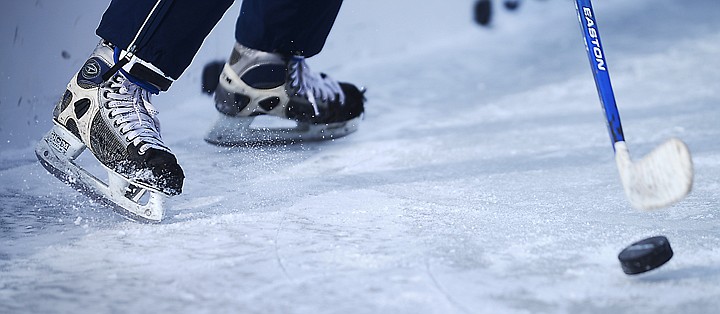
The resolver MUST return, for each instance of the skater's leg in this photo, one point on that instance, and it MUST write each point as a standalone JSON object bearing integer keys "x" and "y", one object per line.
{"x": 172, "y": 35}
{"x": 286, "y": 26}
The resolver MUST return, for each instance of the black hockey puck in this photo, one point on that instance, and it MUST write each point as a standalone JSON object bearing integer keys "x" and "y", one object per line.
{"x": 511, "y": 4}
{"x": 645, "y": 255}
{"x": 483, "y": 12}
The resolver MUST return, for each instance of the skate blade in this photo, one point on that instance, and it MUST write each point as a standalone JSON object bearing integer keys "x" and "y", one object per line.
{"x": 57, "y": 152}
{"x": 240, "y": 131}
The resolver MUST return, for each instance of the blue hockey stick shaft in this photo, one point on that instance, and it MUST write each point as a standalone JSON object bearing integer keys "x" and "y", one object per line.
{"x": 598, "y": 64}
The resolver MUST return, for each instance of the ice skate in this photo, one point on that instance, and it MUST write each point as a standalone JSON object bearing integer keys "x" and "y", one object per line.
{"x": 116, "y": 121}
{"x": 270, "y": 98}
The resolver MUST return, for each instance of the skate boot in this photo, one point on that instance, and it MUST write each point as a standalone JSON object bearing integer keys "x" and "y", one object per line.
{"x": 302, "y": 105}
{"x": 116, "y": 121}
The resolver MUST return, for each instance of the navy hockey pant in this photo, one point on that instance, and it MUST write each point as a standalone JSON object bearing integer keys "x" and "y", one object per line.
{"x": 175, "y": 29}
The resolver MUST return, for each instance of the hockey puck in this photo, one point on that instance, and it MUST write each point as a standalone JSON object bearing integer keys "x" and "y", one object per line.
{"x": 483, "y": 12}
{"x": 511, "y": 5}
{"x": 645, "y": 255}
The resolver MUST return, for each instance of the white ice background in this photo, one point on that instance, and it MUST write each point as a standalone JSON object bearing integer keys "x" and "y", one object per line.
{"x": 482, "y": 179}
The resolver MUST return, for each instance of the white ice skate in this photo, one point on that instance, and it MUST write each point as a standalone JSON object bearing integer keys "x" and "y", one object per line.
{"x": 116, "y": 121}
{"x": 299, "y": 105}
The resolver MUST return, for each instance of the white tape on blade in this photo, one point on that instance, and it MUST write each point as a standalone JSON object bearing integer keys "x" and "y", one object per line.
{"x": 659, "y": 179}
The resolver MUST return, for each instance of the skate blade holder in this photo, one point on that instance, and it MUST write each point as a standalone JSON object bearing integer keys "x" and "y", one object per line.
{"x": 58, "y": 151}
{"x": 238, "y": 131}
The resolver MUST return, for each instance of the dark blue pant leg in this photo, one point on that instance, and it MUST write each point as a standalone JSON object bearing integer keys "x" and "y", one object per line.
{"x": 286, "y": 26}
{"x": 173, "y": 36}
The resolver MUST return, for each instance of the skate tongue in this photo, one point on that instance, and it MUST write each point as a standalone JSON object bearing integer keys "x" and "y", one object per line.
{"x": 142, "y": 73}
{"x": 152, "y": 111}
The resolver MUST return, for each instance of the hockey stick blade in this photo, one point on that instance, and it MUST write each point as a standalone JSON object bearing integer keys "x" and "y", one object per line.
{"x": 661, "y": 178}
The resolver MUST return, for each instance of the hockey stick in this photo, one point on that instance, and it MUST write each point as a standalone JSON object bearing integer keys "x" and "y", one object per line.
{"x": 665, "y": 175}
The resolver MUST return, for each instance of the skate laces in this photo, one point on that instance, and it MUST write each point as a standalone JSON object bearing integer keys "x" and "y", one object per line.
{"x": 313, "y": 85}
{"x": 133, "y": 114}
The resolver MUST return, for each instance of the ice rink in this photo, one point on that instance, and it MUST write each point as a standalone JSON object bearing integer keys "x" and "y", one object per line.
{"x": 482, "y": 178}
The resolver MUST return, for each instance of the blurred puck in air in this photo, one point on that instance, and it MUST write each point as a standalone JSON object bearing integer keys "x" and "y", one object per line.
{"x": 511, "y": 4}
{"x": 483, "y": 10}
{"x": 645, "y": 255}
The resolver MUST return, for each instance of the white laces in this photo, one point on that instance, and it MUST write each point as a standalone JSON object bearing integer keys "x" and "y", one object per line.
{"x": 133, "y": 114}
{"x": 312, "y": 85}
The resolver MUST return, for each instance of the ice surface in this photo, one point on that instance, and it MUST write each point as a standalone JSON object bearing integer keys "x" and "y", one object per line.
{"x": 481, "y": 181}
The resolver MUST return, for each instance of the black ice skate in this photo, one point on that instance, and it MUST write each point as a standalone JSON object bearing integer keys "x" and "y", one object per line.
{"x": 117, "y": 122}
{"x": 302, "y": 105}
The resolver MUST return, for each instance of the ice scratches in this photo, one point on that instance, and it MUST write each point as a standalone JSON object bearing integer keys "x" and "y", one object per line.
{"x": 11, "y": 159}
{"x": 12, "y": 164}
{"x": 442, "y": 291}
{"x": 277, "y": 249}
{"x": 4, "y": 257}
{"x": 23, "y": 214}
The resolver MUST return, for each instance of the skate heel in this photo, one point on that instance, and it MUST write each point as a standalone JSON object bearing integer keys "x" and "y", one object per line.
{"x": 239, "y": 131}
{"x": 60, "y": 143}
{"x": 135, "y": 200}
